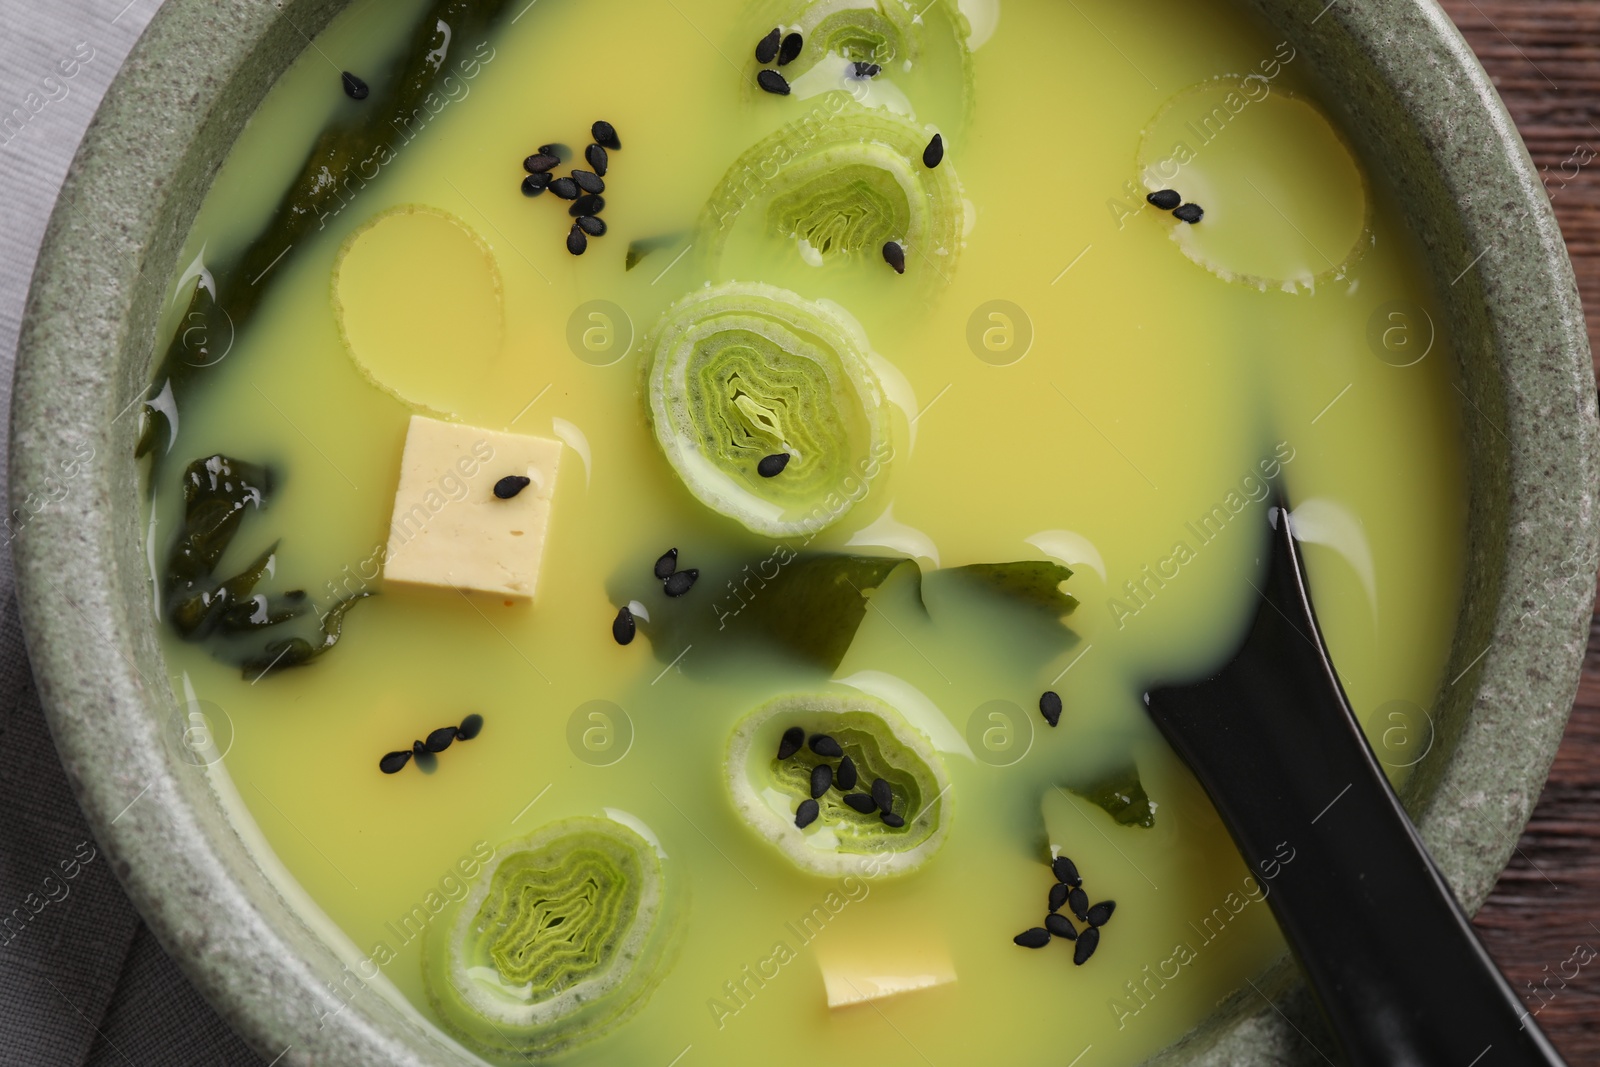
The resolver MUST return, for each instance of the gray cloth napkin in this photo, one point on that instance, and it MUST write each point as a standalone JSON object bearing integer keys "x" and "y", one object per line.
{"x": 82, "y": 981}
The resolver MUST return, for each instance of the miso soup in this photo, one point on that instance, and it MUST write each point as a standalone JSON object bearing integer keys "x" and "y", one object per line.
{"x": 668, "y": 511}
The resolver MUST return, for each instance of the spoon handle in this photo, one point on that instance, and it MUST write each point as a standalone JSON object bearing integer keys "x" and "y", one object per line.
{"x": 1390, "y": 955}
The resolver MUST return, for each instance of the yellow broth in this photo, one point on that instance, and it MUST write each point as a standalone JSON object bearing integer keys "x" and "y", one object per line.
{"x": 1127, "y": 406}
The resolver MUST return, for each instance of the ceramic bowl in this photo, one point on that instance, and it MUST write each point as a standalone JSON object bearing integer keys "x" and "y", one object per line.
{"x": 1410, "y": 92}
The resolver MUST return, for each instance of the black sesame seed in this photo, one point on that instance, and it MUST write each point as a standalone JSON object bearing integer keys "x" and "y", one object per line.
{"x": 354, "y": 87}
{"x": 540, "y": 163}
{"x": 1100, "y": 914}
{"x": 588, "y": 181}
{"x": 587, "y": 204}
{"x": 605, "y": 134}
{"x": 862, "y": 803}
{"x": 806, "y": 814}
{"x": 821, "y": 779}
{"x": 866, "y": 70}
{"x": 598, "y": 161}
{"x": 773, "y": 82}
{"x": 577, "y": 241}
{"x": 591, "y": 226}
{"x": 891, "y": 819}
{"x": 825, "y": 746}
{"x": 1078, "y": 901}
{"x": 772, "y": 466}
{"x": 394, "y": 761}
{"x": 1088, "y": 941}
{"x": 681, "y": 582}
{"x": 933, "y": 155}
{"x": 623, "y": 626}
{"x": 1061, "y": 926}
{"x": 470, "y": 727}
{"x": 845, "y": 777}
{"x": 534, "y": 184}
{"x": 511, "y": 485}
{"x": 1058, "y": 896}
{"x": 790, "y": 49}
{"x": 440, "y": 739}
{"x": 767, "y": 47}
{"x": 1050, "y": 707}
{"x": 566, "y": 188}
{"x": 1165, "y": 199}
{"x": 560, "y": 151}
{"x": 667, "y": 564}
{"x": 793, "y": 738}
{"x": 418, "y": 748}
{"x": 895, "y": 256}
{"x": 883, "y": 794}
{"x": 1066, "y": 871}
{"x": 1190, "y": 213}
{"x": 1037, "y": 937}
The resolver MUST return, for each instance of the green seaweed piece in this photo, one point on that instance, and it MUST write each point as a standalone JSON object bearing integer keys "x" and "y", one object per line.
{"x": 644, "y": 246}
{"x": 261, "y": 612}
{"x": 297, "y": 651}
{"x": 1033, "y": 582}
{"x": 799, "y": 606}
{"x": 1121, "y": 795}
{"x": 232, "y": 606}
{"x": 366, "y": 138}
{"x": 814, "y": 606}
{"x": 808, "y": 607}
{"x": 216, "y": 492}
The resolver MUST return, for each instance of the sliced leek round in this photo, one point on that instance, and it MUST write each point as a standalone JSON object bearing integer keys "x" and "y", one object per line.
{"x": 919, "y": 53}
{"x": 1284, "y": 199}
{"x": 881, "y": 744}
{"x": 740, "y": 373}
{"x": 560, "y": 939}
{"x": 840, "y": 186}
{"x": 867, "y": 32}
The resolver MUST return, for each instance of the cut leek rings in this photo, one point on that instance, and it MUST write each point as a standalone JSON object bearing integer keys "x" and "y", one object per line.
{"x": 739, "y": 373}
{"x": 840, "y": 185}
{"x": 840, "y": 840}
{"x": 562, "y": 937}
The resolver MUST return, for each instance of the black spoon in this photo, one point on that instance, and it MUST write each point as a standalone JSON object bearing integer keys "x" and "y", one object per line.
{"x": 1390, "y": 956}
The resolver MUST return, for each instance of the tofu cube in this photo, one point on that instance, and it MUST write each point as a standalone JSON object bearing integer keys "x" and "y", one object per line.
{"x": 857, "y": 975}
{"x": 449, "y": 529}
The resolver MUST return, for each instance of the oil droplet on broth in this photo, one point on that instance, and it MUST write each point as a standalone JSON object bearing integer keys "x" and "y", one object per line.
{"x": 429, "y": 337}
{"x": 1285, "y": 202}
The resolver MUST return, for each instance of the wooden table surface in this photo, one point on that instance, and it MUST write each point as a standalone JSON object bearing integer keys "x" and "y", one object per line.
{"x": 1543, "y": 922}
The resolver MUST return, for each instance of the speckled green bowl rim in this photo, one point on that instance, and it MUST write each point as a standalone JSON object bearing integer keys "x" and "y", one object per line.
{"x": 1410, "y": 90}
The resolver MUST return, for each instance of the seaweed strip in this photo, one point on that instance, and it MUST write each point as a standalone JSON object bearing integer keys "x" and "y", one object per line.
{"x": 1032, "y": 582}
{"x": 809, "y": 606}
{"x": 297, "y": 651}
{"x": 217, "y": 491}
{"x": 644, "y": 246}
{"x": 392, "y": 117}
{"x": 813, "y": 607}
{"x": 1120, "y": 795}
